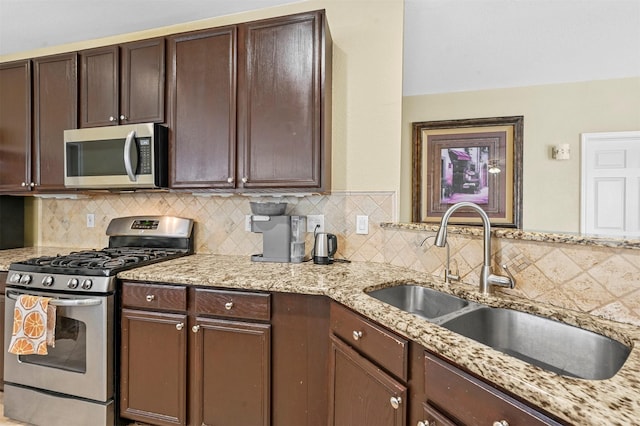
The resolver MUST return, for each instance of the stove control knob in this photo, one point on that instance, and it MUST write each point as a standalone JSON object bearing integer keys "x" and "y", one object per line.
{"x": 15, "y": 278}
{"x": 47, "y": 281}
{"x": 87, "y": 284}
{"x": 25, "y": 279}
{"x": 73, "y": 283}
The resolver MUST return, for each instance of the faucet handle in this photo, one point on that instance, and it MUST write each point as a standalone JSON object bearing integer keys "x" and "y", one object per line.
{"x": 513, "y": 280}
{"x": 450, "y": 276}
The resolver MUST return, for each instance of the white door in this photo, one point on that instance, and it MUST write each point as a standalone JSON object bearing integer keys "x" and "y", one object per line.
{"x": 610, "y": 202}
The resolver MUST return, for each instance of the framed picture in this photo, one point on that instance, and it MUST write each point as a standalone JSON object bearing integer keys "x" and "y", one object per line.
{"x": 477, "y": 160}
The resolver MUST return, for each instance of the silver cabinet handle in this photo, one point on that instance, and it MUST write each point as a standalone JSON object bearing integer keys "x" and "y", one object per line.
{"x": 396, "y": 401}
{"x": 228, "y": 306}
{"x": 501, "y": 423}
{"x": 112, "y": 118}
{"x": 195, "y": 328}
{"x": 423, "y": 423}
{"x": 23, "y": 184}
{"x": 150, "y": 297}
{"x": 245, "y": 179}
{"x": 123, "y": 117}
{"x": 230, "y": 180}
{"x": 357, "y": 335}
{"x": 179, "y": 326}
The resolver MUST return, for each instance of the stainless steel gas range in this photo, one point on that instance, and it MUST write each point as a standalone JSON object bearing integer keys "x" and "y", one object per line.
{"x": 75, "y": 383}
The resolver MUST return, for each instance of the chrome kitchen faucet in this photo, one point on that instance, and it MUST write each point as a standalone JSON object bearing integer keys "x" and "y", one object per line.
{"x": 487, "y": 278}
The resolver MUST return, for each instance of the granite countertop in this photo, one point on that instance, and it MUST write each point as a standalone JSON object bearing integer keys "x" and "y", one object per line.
{"x": 577, "y": 401}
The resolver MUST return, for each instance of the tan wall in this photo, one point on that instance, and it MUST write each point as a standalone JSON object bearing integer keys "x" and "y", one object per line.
{"x": 553, "y": 114}
{"x": 367, "y": 83}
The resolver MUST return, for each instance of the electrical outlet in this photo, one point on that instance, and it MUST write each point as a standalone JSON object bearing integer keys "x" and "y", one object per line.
{"x": 91, "y": 220}
{"x": 362, "y": 224}
{"x": 247, "y": 222}
{"x": 313, "y": 220}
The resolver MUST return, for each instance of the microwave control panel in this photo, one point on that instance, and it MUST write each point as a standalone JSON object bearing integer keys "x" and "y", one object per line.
{"x": 144, "y": 148}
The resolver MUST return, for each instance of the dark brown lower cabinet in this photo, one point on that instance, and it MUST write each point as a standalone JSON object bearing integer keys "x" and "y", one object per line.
{"x": 3, "y": 280}
{"x": 153, "y": 367}
{"x": 231, "y": 373}
{"x": 454, "y": 397}
{"x": 360, "y": 393}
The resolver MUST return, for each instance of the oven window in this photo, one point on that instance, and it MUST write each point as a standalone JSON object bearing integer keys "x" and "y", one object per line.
{"x": 70, "y": 352}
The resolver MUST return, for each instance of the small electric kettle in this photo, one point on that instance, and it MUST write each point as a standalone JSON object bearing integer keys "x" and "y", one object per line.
{"x": 324, "y": 248}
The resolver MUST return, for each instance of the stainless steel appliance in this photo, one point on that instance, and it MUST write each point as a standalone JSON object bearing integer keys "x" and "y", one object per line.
{"x": 282, "y": 238}
{"x": 75, "y": 384}
{"x": 118, "y": 157}
{"x": 325, "y": 246}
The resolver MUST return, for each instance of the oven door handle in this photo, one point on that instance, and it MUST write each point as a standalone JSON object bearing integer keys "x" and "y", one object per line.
{"x": 61, "y": 302}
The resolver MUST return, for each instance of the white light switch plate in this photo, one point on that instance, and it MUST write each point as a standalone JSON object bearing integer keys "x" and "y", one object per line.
{"x": 91, "y": 220}
{"x": 362, "y": 224}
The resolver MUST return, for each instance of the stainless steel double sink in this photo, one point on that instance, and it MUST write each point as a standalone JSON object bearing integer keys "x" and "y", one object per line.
{"x": 552, "y": 345}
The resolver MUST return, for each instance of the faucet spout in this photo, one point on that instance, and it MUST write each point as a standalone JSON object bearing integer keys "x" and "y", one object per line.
{"x": 487, "y": 278}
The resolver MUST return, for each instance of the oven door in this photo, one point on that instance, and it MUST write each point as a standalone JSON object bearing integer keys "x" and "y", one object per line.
{"x": 81, "y": 363}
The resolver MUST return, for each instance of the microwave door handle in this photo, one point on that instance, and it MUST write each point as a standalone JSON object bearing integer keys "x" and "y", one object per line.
{"x": 127, "y": 155}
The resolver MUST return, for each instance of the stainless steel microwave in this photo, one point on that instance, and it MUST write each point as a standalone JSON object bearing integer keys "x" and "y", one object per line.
{"x": 116, "y": 157}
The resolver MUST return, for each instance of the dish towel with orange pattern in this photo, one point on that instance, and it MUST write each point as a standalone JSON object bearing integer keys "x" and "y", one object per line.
{"x": 34, "y": 323}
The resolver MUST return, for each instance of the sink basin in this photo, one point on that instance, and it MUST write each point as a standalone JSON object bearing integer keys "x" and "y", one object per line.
{"x": 551, "y": 345}
{"x": 421, "y": 301}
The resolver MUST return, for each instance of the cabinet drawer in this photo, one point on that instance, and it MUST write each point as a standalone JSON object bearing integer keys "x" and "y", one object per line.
{"x": 233, "y": 304}
{"x": 154, "y": 296}
{"x": 387, "y": 349}
{"x": 468, "y": 400}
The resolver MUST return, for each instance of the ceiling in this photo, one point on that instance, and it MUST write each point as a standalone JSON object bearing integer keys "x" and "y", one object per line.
{"x": 450, "y": 45}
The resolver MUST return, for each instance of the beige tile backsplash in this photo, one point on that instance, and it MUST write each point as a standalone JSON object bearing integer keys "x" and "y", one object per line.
{"x": 603, "y": 281}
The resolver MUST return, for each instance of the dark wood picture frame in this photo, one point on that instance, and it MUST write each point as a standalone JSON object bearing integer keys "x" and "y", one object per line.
{"x": 477, "y": 160}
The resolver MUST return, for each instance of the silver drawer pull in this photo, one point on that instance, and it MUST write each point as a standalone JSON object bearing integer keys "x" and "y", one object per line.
{"x": 150, "y": 297}
{"x": 228, "y": 306}
{"x": 396, "y": 401}
{"x": 195, "y": 328}
{"x": 179, "y": 326}
{"x": 501, "y": 423}
{"x": 357, "y": 335}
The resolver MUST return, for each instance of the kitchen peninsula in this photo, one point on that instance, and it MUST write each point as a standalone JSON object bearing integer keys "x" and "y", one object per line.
{"x": 574, "y": 401}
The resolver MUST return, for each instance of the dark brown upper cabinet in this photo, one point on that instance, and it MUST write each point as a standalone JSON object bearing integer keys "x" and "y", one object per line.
{"x": 202, "y": 108}
{"x": 250, "y": 106}
{"x": 55, "y": 109}
{"x": 123, "y": 84}
{"x": 15, "y": 126}
{"x": 284, "y": 103}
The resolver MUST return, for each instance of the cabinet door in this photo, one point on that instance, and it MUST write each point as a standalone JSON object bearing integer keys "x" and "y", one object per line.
{"x": 55, "y": 99}
{"x": 153, "y": 367}
{"x": 361, "y": 393}
{"x": 231, "y": 373}
{"x": 281, "y": 66}
{"x": 470, "y": 401}
{"x": 202, "y": 91}
{"x": 15, "y": 126}
{"x": 142, "y": 82}
{"x": 99, "y": 87}
{"x": 3, "y": 280}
